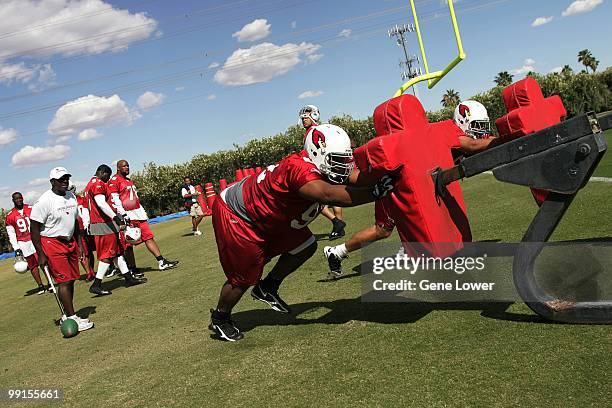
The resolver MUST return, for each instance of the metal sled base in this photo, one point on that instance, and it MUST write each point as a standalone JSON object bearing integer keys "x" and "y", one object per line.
{"x": 560, "y": 159}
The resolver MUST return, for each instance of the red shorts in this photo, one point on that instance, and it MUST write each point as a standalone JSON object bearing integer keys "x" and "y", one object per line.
{"x": 63, "y": 259}
{"x": 32, "y": 261}
{"x": 89, "y": 244}
{"x": 244, "y": 251}
{"x": 145, "y": 233}
{"x": 108, "y": 246}
{"x": 382, "y": 214}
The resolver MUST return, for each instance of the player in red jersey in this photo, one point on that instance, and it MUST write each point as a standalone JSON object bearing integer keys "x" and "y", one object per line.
{"x": 17, "y": 224}
{"x": 125, "y": 199}
{"x": 89, "y": 246}
{"x": 267, "y": 214}
{"x": 469, "y": 133}
{"x": 105, "y": 225}
{"x": 310, "y": 116}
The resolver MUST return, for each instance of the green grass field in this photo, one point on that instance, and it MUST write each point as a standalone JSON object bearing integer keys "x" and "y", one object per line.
{"x": 604, "y": 169}
{"x": 151, "y": 348}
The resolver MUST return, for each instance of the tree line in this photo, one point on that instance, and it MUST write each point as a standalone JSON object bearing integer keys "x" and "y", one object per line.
{"x": 159, "y": 185}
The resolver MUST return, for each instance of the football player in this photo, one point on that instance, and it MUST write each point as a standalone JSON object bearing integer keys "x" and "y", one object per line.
{"x": 105, "y": 225}
{"x": 17, "y": 224}
{"x": 126, "y": 201}
{"x": 472, "y": 129}
{"x": 310, "y": 116}
{"x": 267, "y": 214}
{"x": 89, "y": 245}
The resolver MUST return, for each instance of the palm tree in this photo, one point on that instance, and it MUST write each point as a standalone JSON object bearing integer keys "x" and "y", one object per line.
{"x": 585, "y": 58}
{"x": 593, "y": 63}
{"x": 450, "y": 98}
{"x": 567, "y": 70}
{"x": 504, "y": 78}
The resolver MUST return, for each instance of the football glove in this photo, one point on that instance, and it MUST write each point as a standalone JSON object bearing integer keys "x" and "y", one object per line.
{"x": 18, "y": 253}
{"x": 383, "y": 186}
{"x": 120, "y": 220}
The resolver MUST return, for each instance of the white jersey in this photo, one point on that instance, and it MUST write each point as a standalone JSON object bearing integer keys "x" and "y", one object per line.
{"x": 56, "y": 213}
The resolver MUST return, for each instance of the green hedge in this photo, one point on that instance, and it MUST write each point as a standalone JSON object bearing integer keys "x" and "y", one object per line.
{"x": 159, "y": 185}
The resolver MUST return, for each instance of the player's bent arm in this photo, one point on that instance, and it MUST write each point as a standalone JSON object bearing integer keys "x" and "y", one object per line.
{"x": 103, "y": 205}
{"x": 335, "y": 194}
{"x": 362, "y": 179}
{"x": 471, "y": 146}
{"x": 117, "y": 202}
{"x": 35, "y": 228}
{"x": 12, "y": 235}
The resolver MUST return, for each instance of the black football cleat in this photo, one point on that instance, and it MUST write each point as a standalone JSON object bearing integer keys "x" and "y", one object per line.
{"x": 224, "y": 328}
{"x": 271, "y": 298}
{"x": 96, "y": 289}
{"x": 337, "y": 230}
{"x": 166, "y": 264}
{"x": 334, "y": 262}
{"x": 133, "y": 281}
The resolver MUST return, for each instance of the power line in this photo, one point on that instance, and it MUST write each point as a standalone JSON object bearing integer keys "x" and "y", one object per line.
{"x": 196, "y": 71}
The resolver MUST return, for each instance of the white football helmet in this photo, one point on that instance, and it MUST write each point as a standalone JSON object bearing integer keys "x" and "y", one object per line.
{"x": 329, "y": 148}
{"x": 473, "y": 119}
{"x": 132, "y": 234}
{"x": 312, "y": 112}
{"x": 21, "y": 265}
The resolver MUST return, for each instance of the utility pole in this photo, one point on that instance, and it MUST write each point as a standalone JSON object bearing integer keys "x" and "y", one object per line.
{"x": 408, "y": 65}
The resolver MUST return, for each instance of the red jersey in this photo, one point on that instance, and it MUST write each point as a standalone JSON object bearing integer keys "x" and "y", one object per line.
{"x": 21, "y": 223}
{"x": 126, "y": 190}
{"x": 94, "y": 188}
{"x": 81, "y": 203}
{"x": 271, "y": 197}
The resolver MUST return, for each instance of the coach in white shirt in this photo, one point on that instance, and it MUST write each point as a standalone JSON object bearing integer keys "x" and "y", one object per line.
{"x": 55, "y": 231}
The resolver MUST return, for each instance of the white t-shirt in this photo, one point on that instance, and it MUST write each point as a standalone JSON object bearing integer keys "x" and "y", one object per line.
{"x": 57, "y": 214}
{"x": 191, "y": 191}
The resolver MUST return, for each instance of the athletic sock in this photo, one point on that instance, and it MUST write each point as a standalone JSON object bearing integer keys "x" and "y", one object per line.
{"x": 340, "y": 250}
{"x": 271, "y": 284}
{"x": 102, "y": 268}
{"x": 159, "y": 258}
{"x": 218, "y": 315}
{"x": 121, "y": 264}
{"x": 97, "y": 282}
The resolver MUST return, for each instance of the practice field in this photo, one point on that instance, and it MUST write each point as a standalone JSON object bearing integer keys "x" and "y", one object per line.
{"x": 151, "y": 348}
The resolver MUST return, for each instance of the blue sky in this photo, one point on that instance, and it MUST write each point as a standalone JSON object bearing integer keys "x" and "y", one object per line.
{"x": 85, "y": 82}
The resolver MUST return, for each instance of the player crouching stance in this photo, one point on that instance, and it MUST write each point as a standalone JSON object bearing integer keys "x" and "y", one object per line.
{"x": 268, "y": 215}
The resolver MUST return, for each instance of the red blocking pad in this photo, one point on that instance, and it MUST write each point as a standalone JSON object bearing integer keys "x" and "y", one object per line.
{"x": 529, "y": 112}
{"x": 413, "y": 148}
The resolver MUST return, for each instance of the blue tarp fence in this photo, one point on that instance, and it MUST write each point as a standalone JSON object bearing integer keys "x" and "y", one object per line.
{"x": 156, "y": 220}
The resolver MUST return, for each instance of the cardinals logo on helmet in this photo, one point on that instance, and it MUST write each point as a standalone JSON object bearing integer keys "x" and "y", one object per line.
{"x": 464, "y": 110}
{"x": 318, "y": 139}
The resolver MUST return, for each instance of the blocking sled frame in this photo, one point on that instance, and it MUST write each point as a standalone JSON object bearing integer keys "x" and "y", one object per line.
{"x": 560, "y": 159}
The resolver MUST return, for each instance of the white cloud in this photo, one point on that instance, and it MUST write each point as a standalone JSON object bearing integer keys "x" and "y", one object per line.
{"x": 528, "y": 66}
{"x": 89, "y": 134}
{"x": 312, "y": 58}
{"x": 63, "y": 31}
{"x": 10, "y": 73}
{"x": 255, "y": 30}
{"x": 38, "y": 182}
{"x": 150, "y": 100}
{"x": 211, "y": 97}
{"x": 179, "y": 88}
{"x": 8, "y": 136}
{"x": 541, "y": 21}
{"x": 346, "y": 33}
{"x": 30, "y": 155}
{"x": 32, "y": 196}
{"x": 90, "y": 112}
{"x": 293, "y": 24}
{"x": 581, "y": 6}
{"x": 45, "y": 78}
{"x": 556, "y": 69}
{"x": 310, "y": 94}
{"x": 213, "y": 65}
{"x": 262, "y": 62}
